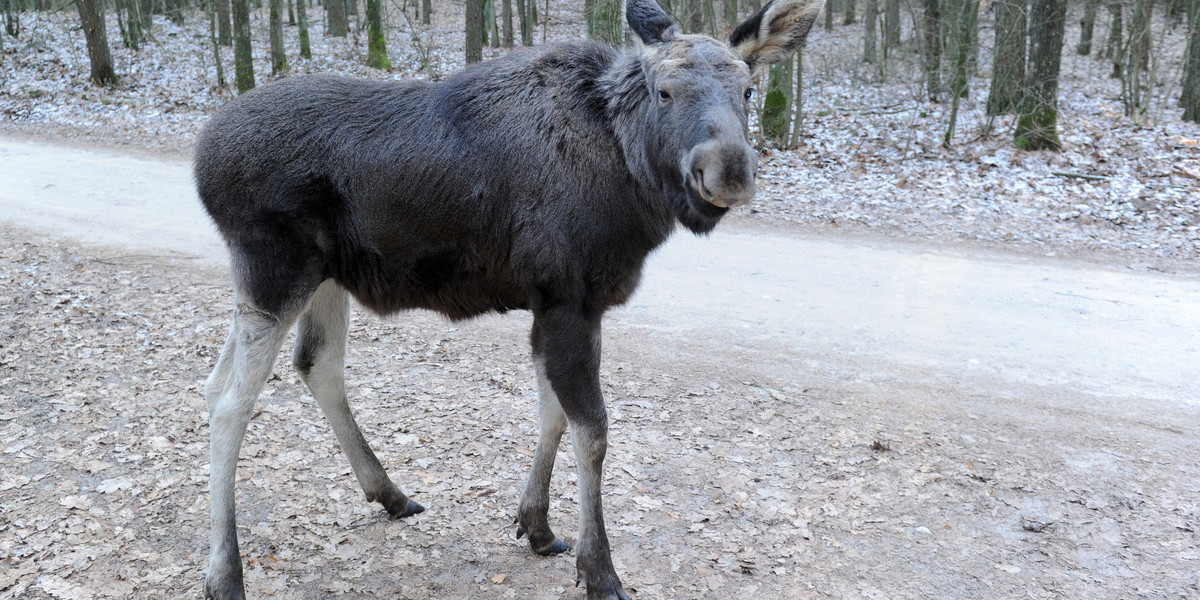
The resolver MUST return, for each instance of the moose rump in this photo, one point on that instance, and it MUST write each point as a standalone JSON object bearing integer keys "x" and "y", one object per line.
{"x": 537, "y": 181}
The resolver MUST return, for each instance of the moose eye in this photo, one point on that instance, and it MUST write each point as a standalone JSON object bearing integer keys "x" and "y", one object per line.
{"x": 749, "y": 93}
{"x": 664, "y": 95}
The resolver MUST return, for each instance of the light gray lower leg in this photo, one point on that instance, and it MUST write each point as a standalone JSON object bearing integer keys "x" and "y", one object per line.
{"x": 532, "y": 516}
{"x": 320, "y": 357}
{"x": 247, "y": 362}
{"x": 218, "y": 380}
{"x": 594, "y": 561}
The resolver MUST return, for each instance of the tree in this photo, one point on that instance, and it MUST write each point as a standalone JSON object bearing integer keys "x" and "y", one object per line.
{"x": 224, "y": 26}
{"x": 279, "y": 62}
{"x": 243, "y": 60}
{"x": 1087, "y": 27}
{"x": 1008, "y": 65}
{"x": 525, "y": 21}
{"x": 12, "y": 17}
{"x": 97, "y": 42}
{"x": 968, "y": 18}
{"x": 869, "y": 19}
{"x": 302, "y": 17}
{"x": 426, "y": 11}
{"x": 490, "y": 29}
{"x": 1115, "y": 48}
{"x": 338, "y": 23}
{"x": 933, "y": 50}
{"x": 474, "y": 42}
{"x": 777, "y": 102}
{"x": 695, "y": 16}
{"x": 849, "y": 6}
{"x": 1190, "y": 99}
{"x": 376, "y": 43}
{"x": 507, "y": 17}
{"x": 605, "y": 21}
{"x": 1037, "y": 123}
{"x": 891, "y": 24}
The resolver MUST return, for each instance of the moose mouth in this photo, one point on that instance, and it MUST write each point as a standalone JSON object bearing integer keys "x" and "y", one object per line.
{"x": 703, "y": 202}
{"x": 696, "y": 188}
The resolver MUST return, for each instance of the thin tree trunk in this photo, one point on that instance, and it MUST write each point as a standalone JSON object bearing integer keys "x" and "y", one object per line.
{"x": 1137, "y": 53}
{"x": 1008, "y": 64}
{"x": 291, "y": 12}
{"x": 507, "y": 17}
{"x": 1190, "y": 99}
{"x": 12, "y": 17}
{"x": 224, "y": 27}
{"x": 829, "y": 16}
{"x": 1037, "y": 124}
{"x": 352, "y": 8}
{"x": 933, "y": 50}
{"x": 279, "y": 62}
{"x": 97, "y": 42}
{"x": 967, "y": 17}
{"x": 1115, "y": 47}
{"x": 376, "y": 42}
{"x": 1086, "y": 28}
{"x": 798, "y": 100}
{"x": 147, "y": 7}
{"x": 869, "y": 20}
{"x": 426, "y": 11}
{"x": 243, "y": 60}
{"x": 335, "y": 13}
{"x": 891, "y": 24}
{"x": 695, "y": 23}
{"x": 302, "y": 18}
{"x": 474, "y": 31}
{"x": 212, "y": 38}
{"x": 524, "y": 22}
{"x": 849, "y": 18}
{"x": 730, "y": 14}
{"x": 491, "y": 29}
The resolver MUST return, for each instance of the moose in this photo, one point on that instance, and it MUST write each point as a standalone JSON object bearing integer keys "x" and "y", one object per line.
{"x": 536, "y": 181}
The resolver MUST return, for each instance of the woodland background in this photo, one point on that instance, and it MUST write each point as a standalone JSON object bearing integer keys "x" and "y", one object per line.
{"x": 899, "y": 117}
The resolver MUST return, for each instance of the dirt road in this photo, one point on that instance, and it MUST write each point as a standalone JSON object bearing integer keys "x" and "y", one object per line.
{"x": 793, "y": 416}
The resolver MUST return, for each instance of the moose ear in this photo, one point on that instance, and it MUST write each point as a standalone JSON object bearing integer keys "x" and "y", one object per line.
{"x": 778, "y": 30}
{"x": 648, "y": 20}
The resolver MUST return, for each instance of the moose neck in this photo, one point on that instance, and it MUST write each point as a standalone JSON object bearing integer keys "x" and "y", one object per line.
{"x": 634, "y": 117}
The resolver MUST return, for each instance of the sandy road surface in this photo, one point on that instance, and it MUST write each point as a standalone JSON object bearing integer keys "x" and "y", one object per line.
{"x": 814, "y": 417}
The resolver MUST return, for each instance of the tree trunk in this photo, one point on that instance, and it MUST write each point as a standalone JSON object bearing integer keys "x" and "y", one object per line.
{"x": 302, "y": 19}
{"x": 524, "y": 22}
{"x": 1086, "y": 28}
{"x": 12, "y": 17}
{"x": 891, "y": 24}
{"x": 1037, "y": 124}
{"x": 426, "y": 11}
{"x": 869, "y": 20}
{"x": 1139, "y": 34}
{"x": 376, "y": 42}
{"x": 968, "y": 17}
{"x": 933, "y": 50}
{"x": 338, "y": 24}
{"x": 507, "y": 17}
{"x": 605, "y": 21}
{"x": 849, "y": 6}
{"x": 491, "y": 33}
{"x": 97, "y": 42}
{"x": 1008, "y": 65}
{"x": 777, "y": 103}
{"x": 279, "y": 62}
{"x": 1115, "y": 47}
{"x": 695, "y": 16}
{"x": 224, "y": 27}
{"x": 1190, "y": 99}
{"x": 147, "y": 11}
{"x": 828, "y": 16}
{"x": 243, "y": 61}
{"x": 351, "y": 8}
{"x": 731, "y": 17}
{"x": 474, "y": 32}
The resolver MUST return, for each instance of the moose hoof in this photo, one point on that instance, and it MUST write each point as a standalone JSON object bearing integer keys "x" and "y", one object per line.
{"x": 546, "y": 544}
{"x": 407, "y": 508}
{"x": 396, "y": 504}
{"x": 610, "y": 589}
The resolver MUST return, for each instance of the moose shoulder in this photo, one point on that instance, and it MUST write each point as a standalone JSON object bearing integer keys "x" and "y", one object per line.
{"x": 538, "y": 181}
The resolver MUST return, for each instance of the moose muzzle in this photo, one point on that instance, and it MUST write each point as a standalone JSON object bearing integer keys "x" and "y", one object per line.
{"x": 721, "y": 172}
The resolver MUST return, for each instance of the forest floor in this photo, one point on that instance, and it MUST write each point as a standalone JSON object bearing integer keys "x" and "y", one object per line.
{"x": 828, "y": 468}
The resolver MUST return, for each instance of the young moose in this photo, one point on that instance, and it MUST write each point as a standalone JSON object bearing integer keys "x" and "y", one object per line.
{"x": 537, "y": 181}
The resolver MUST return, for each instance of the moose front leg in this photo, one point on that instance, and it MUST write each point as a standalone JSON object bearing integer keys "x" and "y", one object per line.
{"x": 572, "y": 366}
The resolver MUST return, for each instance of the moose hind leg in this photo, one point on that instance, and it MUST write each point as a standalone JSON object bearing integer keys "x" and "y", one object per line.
{"x": 535, "y": 502}
{"x": 320, "y": 357}
{"x": 241, "y": 372}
